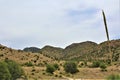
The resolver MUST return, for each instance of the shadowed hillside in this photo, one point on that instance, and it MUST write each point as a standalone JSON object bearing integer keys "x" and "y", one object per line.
{"x": 32, "y": 49}
{"x": 53, "y": 52}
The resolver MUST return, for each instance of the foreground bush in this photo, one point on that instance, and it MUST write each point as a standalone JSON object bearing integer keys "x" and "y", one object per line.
{"x": 14, "y": 69}
{"x": 4, "y": 72}
{"x": 56, "y": 66}
{"x": 103, "y": 67}
{"x": 113, "y": 77}
{"x": 10, "y": 70}
{"x": 50, "y": 68}
{"x": 96, "y": 64}
{"x": 70, "y": 67}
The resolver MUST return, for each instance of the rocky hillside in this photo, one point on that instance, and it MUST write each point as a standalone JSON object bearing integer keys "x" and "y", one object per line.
{"x": 91, "y": 51}
{"x": 23, "y": 57}
{"x": 80, "y": 51}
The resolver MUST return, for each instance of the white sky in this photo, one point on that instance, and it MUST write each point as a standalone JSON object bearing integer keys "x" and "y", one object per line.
{"x": 59, "y": 23}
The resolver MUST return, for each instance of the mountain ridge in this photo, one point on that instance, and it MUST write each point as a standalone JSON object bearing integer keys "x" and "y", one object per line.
{"x": 87, "y": 50}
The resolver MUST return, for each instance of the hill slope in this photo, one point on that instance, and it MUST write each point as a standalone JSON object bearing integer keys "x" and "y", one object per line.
{"x": 53, "y": 52}
{"x": 90, "y": 51}
{"x": 80, "y": 50}
{"x": 22, "y": 57}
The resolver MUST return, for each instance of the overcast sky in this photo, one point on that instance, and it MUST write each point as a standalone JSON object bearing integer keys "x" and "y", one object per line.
{"x": 25, "y": 23}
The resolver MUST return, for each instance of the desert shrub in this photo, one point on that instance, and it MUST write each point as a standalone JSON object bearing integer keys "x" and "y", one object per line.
{"x": 103, "y": 67}
{"x": 40, "y": 64}
{"x": 56, "y": 75}
{"x": 82, "y": 64}
{"x": 28, "y": 64}
{"x": 96, "y": 64}
{"x": 50, "y": 68}
{"x": 45, "y": 62}
{"x": 43, "y": 73}
{"x": 1, "y": 55}
{"x": 33, "y": 70}
{"x": 60, "y": 73}
{"x": 15, "y": 70}
{"x": 32, "y": 73}
{"x": 4, "y": 72}
{"x": 116, "y": 56}
{"x": 113, "y": 77}
{"x": 60, "y": 76}
{"x": 70, "y": 67}
{"x": 85, "y": 63}
{"x": 108, "y": 61}
{"x": 56, "y": 66}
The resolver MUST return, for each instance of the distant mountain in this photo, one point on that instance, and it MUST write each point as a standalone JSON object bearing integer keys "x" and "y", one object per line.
{"x": 32, "y": 49}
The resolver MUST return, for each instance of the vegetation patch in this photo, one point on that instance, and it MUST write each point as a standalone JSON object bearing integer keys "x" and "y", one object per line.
{"x": 10, "y": 70}
{"x": 70, "y": 67}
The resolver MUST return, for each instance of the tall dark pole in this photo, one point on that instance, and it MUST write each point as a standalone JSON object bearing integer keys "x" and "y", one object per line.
{"x": 105, "y": 23}
{"x": 107, "y": 34}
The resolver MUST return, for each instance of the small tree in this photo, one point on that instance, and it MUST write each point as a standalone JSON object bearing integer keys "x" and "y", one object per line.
{"x": 4, "y": 72}
{"x": 70, "y": 67}
{"x": 50, "y": 68}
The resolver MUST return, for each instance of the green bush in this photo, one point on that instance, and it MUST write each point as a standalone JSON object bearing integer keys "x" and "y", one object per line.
{"x": 96, "y": 64}
{"x": 10, "y": 70}
{"x": 103, "y": 67}
{"x": 70, "y": 67}
{"x": 4, "y": 72}
{"x": 56, "y": 66}
{"x": 108, "y": 61}
{"x": 15, "y": 70}
{"x": 28, "y": 64}
{"x": 50, "y": 68}
{"x": 113, "y": 77}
